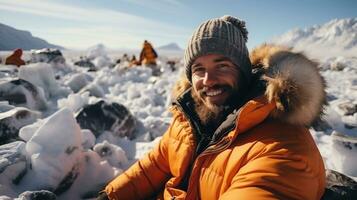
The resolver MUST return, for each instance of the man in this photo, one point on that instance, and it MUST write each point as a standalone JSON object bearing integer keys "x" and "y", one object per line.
{"x": 236, "y": 133}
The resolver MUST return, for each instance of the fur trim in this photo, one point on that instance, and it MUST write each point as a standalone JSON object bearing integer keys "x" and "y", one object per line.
{"x": 180, "y": 86}
{"x": 293, "y": 82}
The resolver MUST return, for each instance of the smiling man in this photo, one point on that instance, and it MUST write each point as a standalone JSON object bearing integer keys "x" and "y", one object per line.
{"x": 236, "y": 133}
{"x": 215, "y": 84}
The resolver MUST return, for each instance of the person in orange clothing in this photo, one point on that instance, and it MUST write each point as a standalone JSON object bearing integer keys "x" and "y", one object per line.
{"x": 148, "y": 54}
{"x": 15, "y": 58}
{"x": 239, "y": 128}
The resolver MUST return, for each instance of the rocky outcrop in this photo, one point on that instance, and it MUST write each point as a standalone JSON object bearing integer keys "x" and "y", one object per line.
{"x": 102, "y": 116}
{"x": 11, "y": 122}
{"x": 339, "y": 186}
{"x": 37, "y": 195}
{"x": 19, "y": 92}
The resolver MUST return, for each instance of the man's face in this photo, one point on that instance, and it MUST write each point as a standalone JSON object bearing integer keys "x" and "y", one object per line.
{"x": 214, "y": 79}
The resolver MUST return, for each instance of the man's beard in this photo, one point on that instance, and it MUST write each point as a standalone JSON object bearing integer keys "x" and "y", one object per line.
{"x": 210, "y": 113}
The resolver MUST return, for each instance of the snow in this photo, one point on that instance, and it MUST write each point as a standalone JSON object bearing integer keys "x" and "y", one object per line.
{"x": 74, "y": 102}
{"x": 57, "y": 158}
{"x": 56, "y": 147}
{"x": 114, "y": 154}
{"x": 42, "y": 75}
{"x": 335, "y": 38}
{"x": 78, "y": 81}
{"x": 96, "y": 51}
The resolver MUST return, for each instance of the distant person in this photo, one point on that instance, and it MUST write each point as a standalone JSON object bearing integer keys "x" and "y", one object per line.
{"x": 15, "y": 58}
{"x": 171, "y": 64}
{"x": 148, "y": 54}
{"x": 134, "y": 61}
{"x": 125, "y": 58}
{"x": 240, "y": 126}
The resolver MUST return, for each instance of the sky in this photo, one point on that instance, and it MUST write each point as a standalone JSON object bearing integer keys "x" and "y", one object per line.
{"x": 118, "y": 24}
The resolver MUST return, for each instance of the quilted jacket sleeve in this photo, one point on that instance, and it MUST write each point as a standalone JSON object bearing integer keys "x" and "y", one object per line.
{"x": 278, "y": 173}
{"x": 145, "y": 178}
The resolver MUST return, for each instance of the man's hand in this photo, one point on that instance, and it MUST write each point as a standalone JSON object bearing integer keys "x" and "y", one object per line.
{"x": 102, "y": 196}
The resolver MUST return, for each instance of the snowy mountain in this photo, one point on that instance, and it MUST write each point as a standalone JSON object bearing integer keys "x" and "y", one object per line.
{"x": 11, "y": 38}
{"x": 170, "y": 47}
{"x": 335, "y": 38}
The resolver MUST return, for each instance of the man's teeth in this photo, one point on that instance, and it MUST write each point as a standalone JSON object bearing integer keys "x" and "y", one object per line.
{"x": 213, "y": 93}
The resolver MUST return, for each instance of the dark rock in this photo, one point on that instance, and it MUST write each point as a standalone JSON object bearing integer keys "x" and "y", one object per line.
{"x": 321, "y": 125}
{"x": 47, "y": 55}
{"x": 350, "y": 121}
{"x": 37, "y": 195}
{"x": 93, "y": 193}
{"x": 171, "y": 64}
{"x": 85, "y": 62}
{"x": 11, "y": 122}
{"x": 337, "y": 66}
{"x": 92, "y": 70}
{"x": 339, "y": 186}
{"x": 19, "y": 92}
{"x": 156, "y": 70}
{"x": 67, "y": 181}
{"x": 347, "y": 108}
{"x": 349, "y": 126}
{"x": 19, "y": 177}
{"x": 331, "y": 97}
{"x": 103, "y": 116}
{"x": 13, "y": 161}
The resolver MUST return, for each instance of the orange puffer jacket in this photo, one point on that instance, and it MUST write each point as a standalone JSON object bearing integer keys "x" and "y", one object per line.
{"x": 148, "y": 55}
{"x": 259, "y": 159}
{"x": 267, "y": 154}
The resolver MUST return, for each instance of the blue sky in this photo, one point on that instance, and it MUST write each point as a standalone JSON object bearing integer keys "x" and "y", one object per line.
{"x": 126, "y": 23}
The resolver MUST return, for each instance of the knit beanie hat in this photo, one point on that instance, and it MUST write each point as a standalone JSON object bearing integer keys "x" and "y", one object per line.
{"x": 226, "y": 36}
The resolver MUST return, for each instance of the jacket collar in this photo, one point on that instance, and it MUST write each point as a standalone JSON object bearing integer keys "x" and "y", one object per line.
{"x": 251, "y": 111}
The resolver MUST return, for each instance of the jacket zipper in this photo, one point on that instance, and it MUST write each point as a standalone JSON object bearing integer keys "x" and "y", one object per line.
{"x": 208, "y": 151}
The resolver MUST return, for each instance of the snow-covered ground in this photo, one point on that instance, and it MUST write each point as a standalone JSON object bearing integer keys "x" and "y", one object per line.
{"x": 56, "y": 154}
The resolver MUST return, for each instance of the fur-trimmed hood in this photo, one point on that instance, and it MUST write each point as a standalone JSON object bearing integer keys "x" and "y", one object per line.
{"x": 293, "y": 82}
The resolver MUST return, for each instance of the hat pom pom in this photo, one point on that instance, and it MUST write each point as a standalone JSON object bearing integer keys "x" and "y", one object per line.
{"x": 240, "y": 24}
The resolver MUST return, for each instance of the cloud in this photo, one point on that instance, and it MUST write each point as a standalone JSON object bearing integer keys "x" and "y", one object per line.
{"x": 82, "y": 37}
{"x": 104, "y": 25}
{"x": 166, "y": 6}
{"x": 43, "y": 9}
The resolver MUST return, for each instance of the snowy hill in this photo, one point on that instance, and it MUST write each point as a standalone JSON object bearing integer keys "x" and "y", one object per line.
{"x": 170, "y": 47}
{"x": 11, "y": 38}
{"x": 335, "y": 38}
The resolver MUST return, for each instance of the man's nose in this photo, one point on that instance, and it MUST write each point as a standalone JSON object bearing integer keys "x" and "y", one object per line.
{"x": 209, "y": 79}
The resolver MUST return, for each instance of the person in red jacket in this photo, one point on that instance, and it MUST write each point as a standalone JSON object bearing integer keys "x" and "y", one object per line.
{"x": 239, "y": 128}
{"x": 15, "y": 58}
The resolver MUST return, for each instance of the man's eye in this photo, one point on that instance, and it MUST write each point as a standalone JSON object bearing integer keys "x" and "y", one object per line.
{"x": 223, "y": 66}
{"x": 197, "y": 69}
